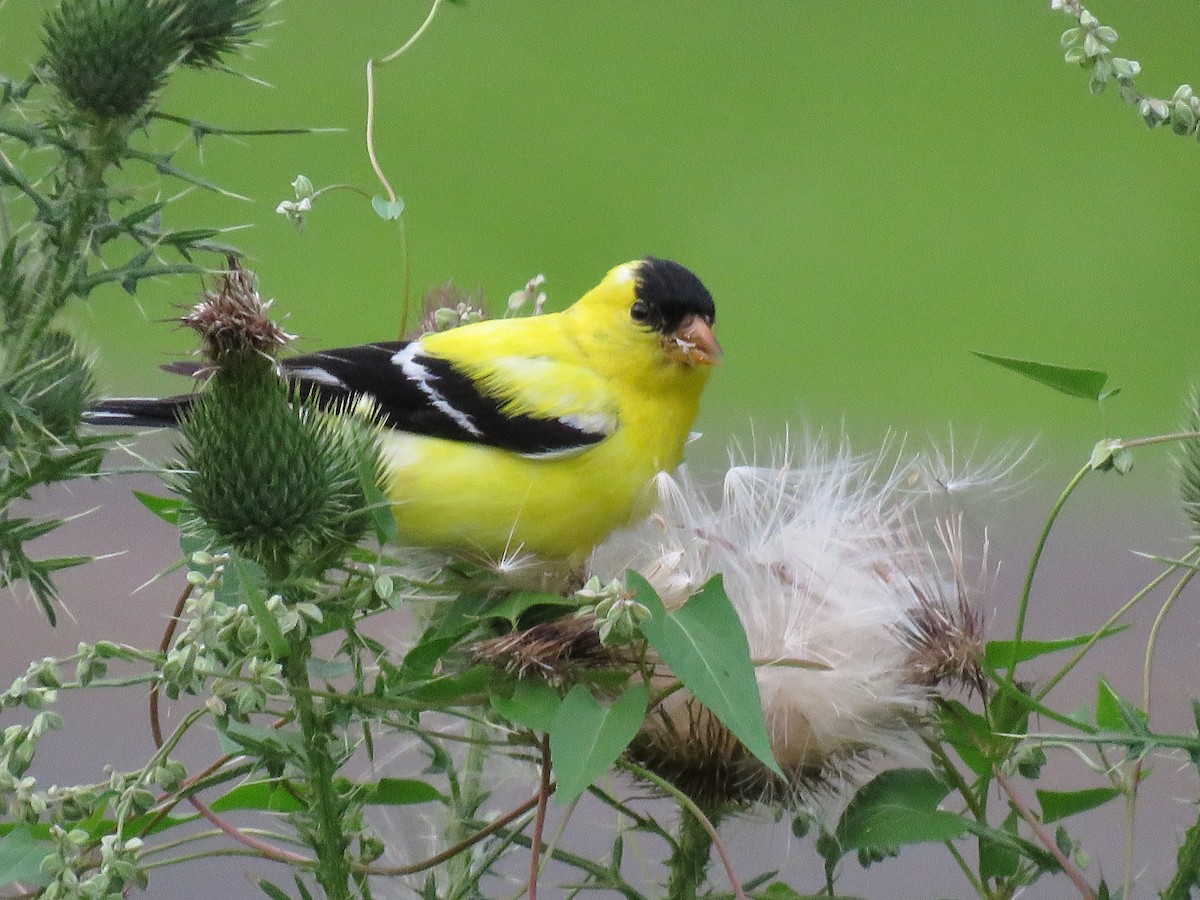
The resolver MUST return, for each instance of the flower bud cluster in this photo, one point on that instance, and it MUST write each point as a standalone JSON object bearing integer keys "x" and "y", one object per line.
{"x": 616, "y": 613}
{"x": 1089, "y": 45}
{"x": 225, "y": 649}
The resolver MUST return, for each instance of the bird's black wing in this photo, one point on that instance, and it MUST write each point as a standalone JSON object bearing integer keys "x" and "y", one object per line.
{"x": 411, "y": 391}
{"x": 423, "y": 394}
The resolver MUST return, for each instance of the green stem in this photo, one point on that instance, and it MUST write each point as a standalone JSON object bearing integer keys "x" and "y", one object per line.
{"x": 329, "y": 838}
{"x": 1131, "y": 794}
{"x": 1023, "y": 609}
{"x": 689, "y": 862}
{"x": 689, "y": 805}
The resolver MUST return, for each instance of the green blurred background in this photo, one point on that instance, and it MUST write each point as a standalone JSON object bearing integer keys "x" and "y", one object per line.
{"x": 871, "y": 190}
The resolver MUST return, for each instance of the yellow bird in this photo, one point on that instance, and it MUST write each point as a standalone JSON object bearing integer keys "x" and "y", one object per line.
{"x": 529, "y": 435}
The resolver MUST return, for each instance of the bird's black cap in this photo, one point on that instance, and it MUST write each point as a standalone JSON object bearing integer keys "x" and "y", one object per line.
{"x": 672, "y": 293}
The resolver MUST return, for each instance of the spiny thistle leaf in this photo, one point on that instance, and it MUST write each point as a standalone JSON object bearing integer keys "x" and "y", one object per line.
{"x": 1189, "y": 463}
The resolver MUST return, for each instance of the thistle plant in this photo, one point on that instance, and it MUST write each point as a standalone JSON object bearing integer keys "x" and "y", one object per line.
{"x": 796, "y": 639}
{"x": 69, "y": 227}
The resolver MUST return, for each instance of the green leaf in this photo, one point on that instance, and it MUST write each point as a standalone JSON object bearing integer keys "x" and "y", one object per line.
{"x": 271, "y": 796}
{"x": 586, "y": 738}
{"x": 1061, "y": 804}
{"x": 388, "y": 209}
{"x": 380, "y": 509}
{"x": 1115, "y": 713}
{"x": 704, "y": 644}
{"x": 275, "y": 893}
{"x": 533, "y": 704}
{"x": 166, "y": 508}
{"x": 996, "y": 859}
{"x": 999, "y": 654}
{"x": 1085, "y": 383}
{"x": 898, "y": 807}
{"x": 447, "y": 689}
{"x": 1002, "y": 839}
{"x": 241, "y": 576}
{"x": 778, "y": 891}
{"x": 970, "y": 734}
{"x": 400, "y": 792}
{"x": 21, "y": 857}
{"x": 517, "y": 604}
{"x": 268, "y": 742}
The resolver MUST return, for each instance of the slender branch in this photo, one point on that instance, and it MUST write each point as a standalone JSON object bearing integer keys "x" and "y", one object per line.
{"x": 260, "y": 847}
{"x": 163, "y": 647}
{"x": 1023, "y": 609}
{"x": 690, "y": 805}
{"x": 1046, "y": 839}
{"x": 539, "y": 821}
{"x": 1157, "y": 439}
{"x": 438, "y": 858}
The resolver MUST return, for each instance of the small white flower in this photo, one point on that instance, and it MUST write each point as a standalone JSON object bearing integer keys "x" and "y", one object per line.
{"x": 518, "y": 299}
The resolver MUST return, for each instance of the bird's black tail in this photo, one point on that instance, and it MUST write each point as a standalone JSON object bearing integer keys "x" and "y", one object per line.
{"x": 140, "y": 412}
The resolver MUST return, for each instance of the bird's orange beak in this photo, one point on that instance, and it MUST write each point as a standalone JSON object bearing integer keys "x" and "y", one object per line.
{"x": 693, "y": 343}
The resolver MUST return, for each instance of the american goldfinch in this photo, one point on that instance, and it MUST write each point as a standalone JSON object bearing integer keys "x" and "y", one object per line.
{"x": 530, "y": 435}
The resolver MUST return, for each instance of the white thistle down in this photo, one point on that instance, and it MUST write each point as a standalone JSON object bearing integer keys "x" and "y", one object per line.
{"x": 824, "y": 558}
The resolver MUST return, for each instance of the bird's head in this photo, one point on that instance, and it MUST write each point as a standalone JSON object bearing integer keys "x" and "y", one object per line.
{"x": 660, "y": 300}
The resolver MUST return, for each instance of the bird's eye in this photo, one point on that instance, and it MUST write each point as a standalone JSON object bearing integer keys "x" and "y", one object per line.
{"x": 640, "y": 311}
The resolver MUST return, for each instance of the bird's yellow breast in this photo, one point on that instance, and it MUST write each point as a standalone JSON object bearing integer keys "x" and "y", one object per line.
{"x": 474, "y": 498}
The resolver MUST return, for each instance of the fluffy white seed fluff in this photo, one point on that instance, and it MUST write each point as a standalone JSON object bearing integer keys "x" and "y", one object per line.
{"x": 823, "y": 557}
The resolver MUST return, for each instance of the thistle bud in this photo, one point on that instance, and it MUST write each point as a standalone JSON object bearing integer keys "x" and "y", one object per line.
{"x": 214, "y": 28}
{"x": 108, "y": 58}
{"x": 274, "y": 479}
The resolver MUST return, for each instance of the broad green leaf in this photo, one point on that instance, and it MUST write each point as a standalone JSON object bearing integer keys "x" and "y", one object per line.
{"x": 704, "y": 644}
{"x": 998, "y": 654}
{"x": 1115, "y": 713}
{"x": 166, "y": 508}
{"x": 533, "y": 704}
{"x": 459, "y": 616}
{"x": 421, "y": 661}
{"x": 1002, "y": 838}
{"x": 271, "y": 796}
{"x": 1062, "y": 804}
{"x": 971, "y": 736}
{"x": 442, "y": 690}
{"x": 21, "y": 857}
{"x": 387, "y": 209}
{"x": 516, "y": 605}
{"x": 586, "y": 738}
{"x": 399, "y": 792}
{"x": 1085, "y": 383}
{"x": 898, "y": 807}
{"x": 996, "y": 859}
